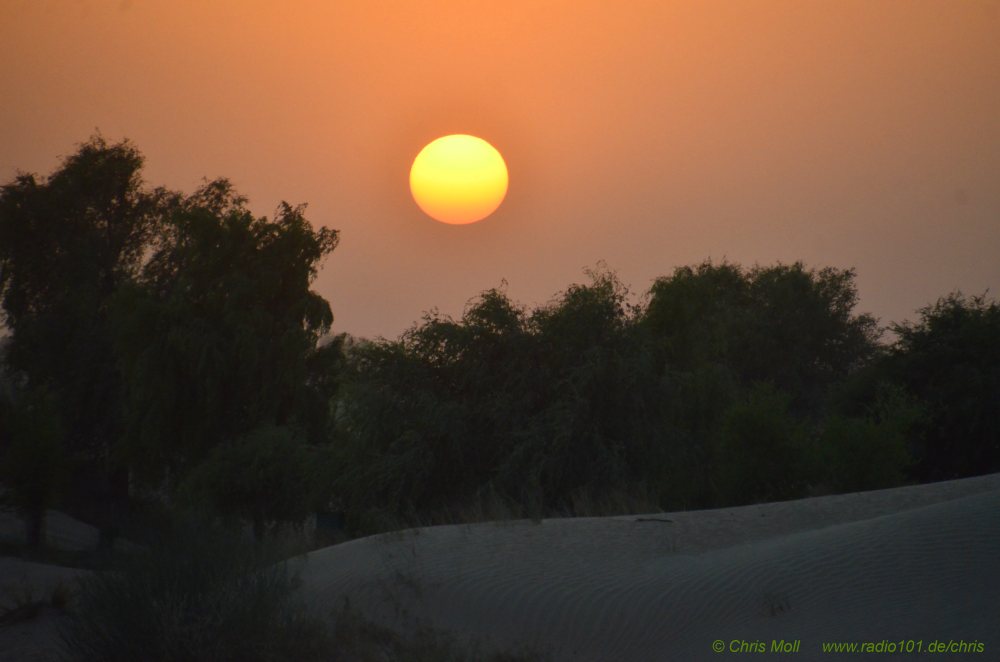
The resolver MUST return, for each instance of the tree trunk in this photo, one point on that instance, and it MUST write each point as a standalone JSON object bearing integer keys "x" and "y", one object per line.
{"x": 114, "y": 507}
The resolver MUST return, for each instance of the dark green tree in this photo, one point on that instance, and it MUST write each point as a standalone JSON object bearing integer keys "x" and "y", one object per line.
{"x": 785, "y": 325}
{"x": 721, "y": 333}
{"x": 218, "y": 334}
{"x": 599, "y": 425}
{"x": 424, "y": 420}
{"x": 68, "y": 242}
{"x": 949, "y": 360}
{"x": 804, "y": 336}
{"x": 161, "y": 324}
{"x": 698, "y": 315}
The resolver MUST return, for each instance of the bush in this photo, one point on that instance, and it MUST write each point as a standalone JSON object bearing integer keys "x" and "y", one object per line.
{"x": 870, "y": 452}
{"x": 200, "y": 594}
{"x": 761, "y": 452}
{"x": 262, "y": 477}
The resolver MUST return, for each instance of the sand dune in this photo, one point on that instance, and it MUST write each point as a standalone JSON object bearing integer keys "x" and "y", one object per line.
{"x": 920, "y": 563}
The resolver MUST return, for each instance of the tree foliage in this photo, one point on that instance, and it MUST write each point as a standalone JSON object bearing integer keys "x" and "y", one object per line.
{"x": 161, "y": 324}
{"x": 262, "y": 477}
{"x": 949, "y": 360}
{"x": 785, "y": 325}
{"x": 68, "y": 243}
{"x": 872, "y": 449}
{"x": 761, "y": 452}
{"x": 718, "y": 390}
{"x": 216, "y": 335}
{"x": 542, "y": 409}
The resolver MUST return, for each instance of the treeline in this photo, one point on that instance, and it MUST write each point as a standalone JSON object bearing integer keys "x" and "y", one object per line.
{"x": 725, "y": 386}
{"x": 169, "y": 345}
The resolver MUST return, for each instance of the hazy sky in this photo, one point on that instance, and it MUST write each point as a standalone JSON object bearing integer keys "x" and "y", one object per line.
{"x": 649, "y": 135}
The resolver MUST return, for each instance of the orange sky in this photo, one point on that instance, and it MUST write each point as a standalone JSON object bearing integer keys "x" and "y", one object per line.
{"x": 648, "y": 134}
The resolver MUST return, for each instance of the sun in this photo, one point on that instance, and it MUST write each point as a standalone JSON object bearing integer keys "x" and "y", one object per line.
{"x": 458, "y": 179}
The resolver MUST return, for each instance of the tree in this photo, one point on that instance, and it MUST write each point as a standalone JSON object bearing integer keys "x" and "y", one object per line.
{"x": 599, "y": 424}
{"x": 723, "y": 336}
{"x": 217, "y": 333}
{"x": 785, "y": 325}
{"x": 425, "y": 421}
{"x": 949, "y": 360}
{"x": 67, "y": 244}
{"x": 161, "y": 324}
{"x": 698, "y": 314}
{"x": 804, "y": 336}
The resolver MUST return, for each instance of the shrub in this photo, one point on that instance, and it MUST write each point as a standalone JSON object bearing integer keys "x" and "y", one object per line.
{"x": 761, "y": 452}
{"x": 262, "y": 477}
{"x": 870, "y": 452}
{"x": 200, "y": 594}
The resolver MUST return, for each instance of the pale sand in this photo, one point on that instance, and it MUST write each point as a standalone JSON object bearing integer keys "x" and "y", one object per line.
{"x": 919, "y": 563}
{"x": 36, "y": 639}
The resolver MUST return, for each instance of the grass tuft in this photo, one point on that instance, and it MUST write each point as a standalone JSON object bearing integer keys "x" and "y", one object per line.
{"x": 365, "y": 641}
{"x": 201, "y": 593}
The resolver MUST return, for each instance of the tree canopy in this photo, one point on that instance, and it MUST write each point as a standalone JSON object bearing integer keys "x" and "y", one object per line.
{"x": 162, "y": 325}
{"x": 215, "y": 334}
{"x": 67, "y": 244}
{"x": 949, "y": 360}
{"x": 785, "y": 325}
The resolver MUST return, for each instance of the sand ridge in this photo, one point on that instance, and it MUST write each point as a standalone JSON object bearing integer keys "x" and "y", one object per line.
{"x": 920, "y": 562}
{"x": 917, "y": 562}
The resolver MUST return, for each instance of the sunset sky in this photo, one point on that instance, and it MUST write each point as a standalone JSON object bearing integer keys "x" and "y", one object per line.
{"x": 647, "y": 134}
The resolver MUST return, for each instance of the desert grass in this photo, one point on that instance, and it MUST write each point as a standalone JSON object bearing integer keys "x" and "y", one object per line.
{"x": 361, "y": 640}
{"x": 25, "y": 603}
{"x": 207, "y": 593}
{"x": 489, "y": 506}
{"x": 201, "y": 593}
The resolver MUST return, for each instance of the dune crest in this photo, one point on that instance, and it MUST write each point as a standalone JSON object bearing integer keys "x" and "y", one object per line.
{"x": 917, "y": 562}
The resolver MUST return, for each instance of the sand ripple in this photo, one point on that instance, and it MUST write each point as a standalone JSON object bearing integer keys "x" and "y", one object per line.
{"x": 913, "y": 563}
